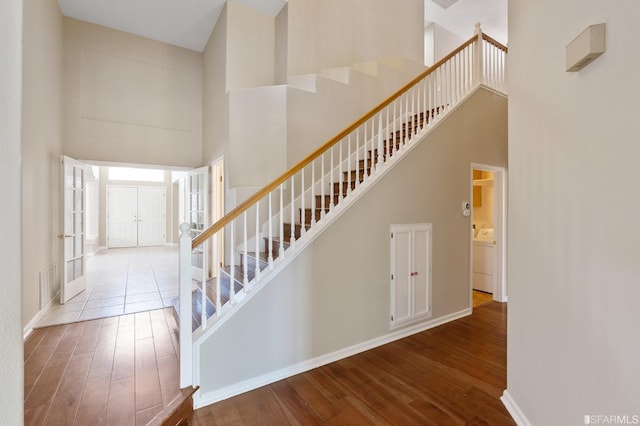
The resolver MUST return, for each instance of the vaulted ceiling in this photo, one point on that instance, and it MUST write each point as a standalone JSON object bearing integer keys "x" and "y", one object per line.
{"x": 188, "y": 23}
{"x": 184, "y": 23}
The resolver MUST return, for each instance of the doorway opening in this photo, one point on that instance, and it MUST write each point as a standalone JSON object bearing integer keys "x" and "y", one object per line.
{"x": 134, "y": 277}
{"x": 487, "y": 234}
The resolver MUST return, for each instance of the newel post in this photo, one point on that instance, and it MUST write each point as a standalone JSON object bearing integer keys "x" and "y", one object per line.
{"x": 478, "y": 56}
{"x": 185, "y": 283}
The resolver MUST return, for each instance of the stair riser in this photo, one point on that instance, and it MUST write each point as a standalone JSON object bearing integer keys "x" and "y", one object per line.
{"x": 307, "y": 214}
{"x": 275, "y": 245}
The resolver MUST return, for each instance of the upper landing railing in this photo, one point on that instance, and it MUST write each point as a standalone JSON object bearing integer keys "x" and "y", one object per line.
{"x": 279, "y": 217}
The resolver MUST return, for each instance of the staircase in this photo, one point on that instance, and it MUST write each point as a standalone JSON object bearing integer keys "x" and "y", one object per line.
{"x": 265, "y": 232}
{"x": 307, "y": 216}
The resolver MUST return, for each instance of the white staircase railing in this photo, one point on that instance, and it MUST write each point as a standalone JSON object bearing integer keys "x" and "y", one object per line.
{"x": 282, "y": 215}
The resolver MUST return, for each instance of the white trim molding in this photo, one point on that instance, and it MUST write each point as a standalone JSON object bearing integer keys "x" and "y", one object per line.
{"x": 513, "y": 409}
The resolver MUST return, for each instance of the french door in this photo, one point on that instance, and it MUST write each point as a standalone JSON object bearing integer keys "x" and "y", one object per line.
{"x": 73, "y": 236}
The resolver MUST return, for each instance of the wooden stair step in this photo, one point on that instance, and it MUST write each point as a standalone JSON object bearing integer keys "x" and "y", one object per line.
{"x": 225, "y": 282}
{"x": 345, "y": 186}
{"x": 351, "y": 175}
{"x": 297, "y": 230}
{"x": 250, "y": 257}
{"x": 327, "y": 200}
{"x": 275, "y": 243}
{"x": 307, "y": 214}
{"x": 196, "y": 308}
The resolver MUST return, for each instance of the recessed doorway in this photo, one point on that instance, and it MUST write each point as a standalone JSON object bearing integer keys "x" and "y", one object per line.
{"x": 487, "y": 234}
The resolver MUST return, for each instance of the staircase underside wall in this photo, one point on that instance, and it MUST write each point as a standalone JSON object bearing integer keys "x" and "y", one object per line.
{"x": 336, "y": 293}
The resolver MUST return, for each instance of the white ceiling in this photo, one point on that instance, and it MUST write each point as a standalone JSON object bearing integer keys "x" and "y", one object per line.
{"x": 184, "y": 23}
{"x": 188, "y": 23}
{"x": 461, "y": 17}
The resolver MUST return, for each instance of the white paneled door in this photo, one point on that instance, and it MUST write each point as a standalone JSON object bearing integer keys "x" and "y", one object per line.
{"x": 410, "y": 273}
{"x": 73, "y": 236}
{"x": 136, "y": 216}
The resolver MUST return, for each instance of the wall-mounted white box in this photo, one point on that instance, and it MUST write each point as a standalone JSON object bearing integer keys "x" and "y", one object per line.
{"x": 586, "y": 47}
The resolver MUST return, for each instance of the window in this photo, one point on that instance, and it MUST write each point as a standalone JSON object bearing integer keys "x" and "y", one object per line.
{"x": 139, "y": 175}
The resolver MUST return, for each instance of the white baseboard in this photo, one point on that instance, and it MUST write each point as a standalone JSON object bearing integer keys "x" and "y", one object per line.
{"x": 26, "y": 331}
{"x": 203, "y": 399}
{"x": 513, "y": 409}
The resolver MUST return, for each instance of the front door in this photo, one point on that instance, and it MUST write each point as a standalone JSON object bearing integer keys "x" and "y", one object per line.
{"x": 136, "y": 216}
{"x": 152, "y": 220}
{"x": 73, "y": 228}
{"x": 122, "y": 216}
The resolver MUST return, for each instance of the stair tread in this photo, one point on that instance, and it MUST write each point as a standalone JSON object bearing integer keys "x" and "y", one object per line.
{"x": 196, "y": 307}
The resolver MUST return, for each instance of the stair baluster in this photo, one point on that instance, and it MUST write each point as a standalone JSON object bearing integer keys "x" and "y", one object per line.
{"x": 257, "y": 269}
{"x": 245, "y": 264}
{"x": 292, "y": 239}
{"x": 270, "y": 230}
{"x": 232, "y": 267}
{"x": 281, "y": 224}
{"x": 203, "y": 289}
{"x": 331, "y": 181}
{"x": 322, "y": 200}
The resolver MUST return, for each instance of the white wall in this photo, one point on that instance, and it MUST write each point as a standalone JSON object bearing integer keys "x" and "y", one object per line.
{"x": 41, "y": 145}
{"x": 438, "y": 43}
{"x": 130, "y": 99}
{"x": 444, "y": 41}
{"x": 574, "y": 239}
{"x": 335, "y": 33}
{"x": 11, "y": 350}
{"x": 336, "y": 293}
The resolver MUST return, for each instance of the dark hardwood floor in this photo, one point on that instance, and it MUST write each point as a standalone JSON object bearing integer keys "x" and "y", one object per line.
{"x": 124, "y": 370}
{"x": 121, "y": 370}
{"x": 451, "y": 375}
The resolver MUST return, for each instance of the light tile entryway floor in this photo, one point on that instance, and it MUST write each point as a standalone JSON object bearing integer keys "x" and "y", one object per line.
{"x": 121, "y": 281}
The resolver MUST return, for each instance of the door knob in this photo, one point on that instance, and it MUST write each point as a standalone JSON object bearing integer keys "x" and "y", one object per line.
{"x": 63, "y": 236}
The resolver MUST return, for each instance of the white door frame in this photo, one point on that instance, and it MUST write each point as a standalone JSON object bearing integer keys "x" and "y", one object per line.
{"x": 500, "y": 230}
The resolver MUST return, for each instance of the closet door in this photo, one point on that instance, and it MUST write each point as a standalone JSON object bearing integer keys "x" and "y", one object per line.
{"x": 410, "y": 273}
{"x": 122, "y": 216}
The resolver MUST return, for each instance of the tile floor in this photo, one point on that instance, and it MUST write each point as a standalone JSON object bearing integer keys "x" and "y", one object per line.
{"x": 121, "y": 281}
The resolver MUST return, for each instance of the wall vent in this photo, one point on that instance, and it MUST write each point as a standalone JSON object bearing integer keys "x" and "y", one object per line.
{"x": 444, "y": 3}
{"x": 49, "y": 286}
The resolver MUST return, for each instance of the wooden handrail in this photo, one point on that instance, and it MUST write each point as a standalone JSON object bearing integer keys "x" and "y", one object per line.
{"x": 495, "y": 42}
{"x": 226, "y": 219}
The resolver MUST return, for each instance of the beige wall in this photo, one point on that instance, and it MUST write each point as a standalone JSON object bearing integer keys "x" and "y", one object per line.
{"x": 335, "y": 33}
{"x": 41, "y": 145}
{"x": 574, "y": 239}
{"x": 250, "y": 47}
{"x": 262, "y": 129}
{"x": 308, "y": 305}
{"x": 215, "y": 98}
{"x": 130, "y": 99}
{"x": 11, "y": 350}
{"x": 281, "y": 45}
